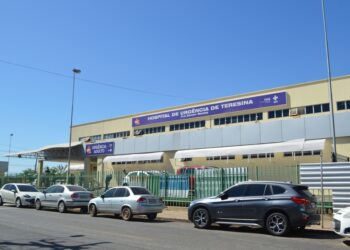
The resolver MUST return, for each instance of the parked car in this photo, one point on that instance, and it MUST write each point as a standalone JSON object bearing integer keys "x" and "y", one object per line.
{"x": 138, "y": 174}
{"x": 19, "y": 194}
{"x": 276, "y": 206}
{"x": 341, "y": 222}
{"x": 63, "y": 197}
{"x": 127, "y": 201}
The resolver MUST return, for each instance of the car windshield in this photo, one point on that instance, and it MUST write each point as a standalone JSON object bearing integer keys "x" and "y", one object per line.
{"x": 27, "y": 188}
{"x": 139, "y": 190}
{"x": 75, "y": 188}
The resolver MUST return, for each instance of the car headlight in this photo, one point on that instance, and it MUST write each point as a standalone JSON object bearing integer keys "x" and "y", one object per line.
{"x": 26, "y": 196}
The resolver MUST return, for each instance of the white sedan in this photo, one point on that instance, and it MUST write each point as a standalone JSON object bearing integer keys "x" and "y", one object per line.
{"x": 19, "y": 194}
{"x": 341, "y": 222}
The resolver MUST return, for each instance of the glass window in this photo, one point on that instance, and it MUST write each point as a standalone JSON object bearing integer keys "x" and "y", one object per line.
{"x": 171, "y": 127}
{"x": 240, "y": 118}
{"x": 196, "y": 124}
{"x": 255, "y": 190}
{"x": 268, "y": 190}
{"x": 271, "y": 114}
{"x": 202, "y": 123}
{"x": 299, "y": 153}
{"x": 246, "y": 118}
{"x": 7, "y": 187}
{"x": 317, "y": 108}
{"x": 278, "y": 189}
{"x": 139, "y": 190}
{"x": 177, "y": 127}
{"x": 259, "y": 116}
{"x": 187, "y": 126}
{"x": 316, "y": 152}
{"x": 262, "y": 155}
{"x": 222, "y": 121}
{"x": 51, "y": 189}
{"x": 119, "y": 192}
{"x": 26, "y": 188}
{"x": 231, "y": 157}
{"x": 278, "y": 113}
{"x": 348, "y": 104}
{"x": 228, "y": 120}
{"x": 325, "y": 107}
{"x": 341, "y": 105}
{"x": 182, "y": 126}
{"x": 288, "y": 154}
{"x": 245, "y": 156}
{"x": 306, "y": 153}
{"x": 76, "y": 188}
{"x": 236, "y": 191}
{"x": 285, "y": 112}
{"x": 253, "y": 117}
{"x": 59, "y": 189}
{"x": 224, "y": 157}
{"x": 191, "y": 124}
{"x": 253, "y": 156}
{"x": 216, "y": 158}
{"x": 110, "y": 193}
{"x": 234, "y": 119}
{"x": 309, "y": 109}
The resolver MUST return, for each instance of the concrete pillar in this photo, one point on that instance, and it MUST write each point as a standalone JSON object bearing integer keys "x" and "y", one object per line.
{"x": 39, "y": 170}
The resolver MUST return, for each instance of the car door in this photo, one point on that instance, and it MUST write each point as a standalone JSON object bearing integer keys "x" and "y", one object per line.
{"x": 57, "y": 195}
{"x": 118, "y": 199}
{"x": 11, "y": 194}
{"x": 47, "y": 199}
{"x": 254, "y": 202}
{"x": 105, "y": 202}
{"x": 227, "y": 206}
{"x": 6, "y": 193}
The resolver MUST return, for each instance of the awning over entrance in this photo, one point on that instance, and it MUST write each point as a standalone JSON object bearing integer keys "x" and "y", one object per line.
{"x": 288, "y": 146}
{"x": 134, "y": 157}
{"x": 57, "y": 152}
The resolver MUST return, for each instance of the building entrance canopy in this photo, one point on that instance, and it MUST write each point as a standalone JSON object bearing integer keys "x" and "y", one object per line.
{"x": 288, "y": 146}
{"x": 56, "y": 153}
{"x": 134, "y": 157}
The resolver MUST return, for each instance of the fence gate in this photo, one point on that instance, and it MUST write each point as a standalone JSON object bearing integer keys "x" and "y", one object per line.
{"x": 336, "y": 177}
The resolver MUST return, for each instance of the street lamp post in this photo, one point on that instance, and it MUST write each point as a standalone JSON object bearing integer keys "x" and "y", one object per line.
{"x": 8, "y": 159}
{"x": 330, "y": 92}
{"x": 75, "y": 71}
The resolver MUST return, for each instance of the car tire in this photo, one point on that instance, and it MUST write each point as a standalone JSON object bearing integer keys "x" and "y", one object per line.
{"x": 152, "y": 216}
{"x": 38, "y": 205}
{"x": 126, "y": 214}
{"x": 92, "y": 210}
{"x": 18, "y": 202}
{"x": 277, "y": 224}
{"x": 1, "y": 202}
{"x": 62, "y": 207}
{"x": 201, "y": 218}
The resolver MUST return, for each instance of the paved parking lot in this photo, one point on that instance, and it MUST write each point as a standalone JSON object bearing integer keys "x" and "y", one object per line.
{"x": 30, "y": 229}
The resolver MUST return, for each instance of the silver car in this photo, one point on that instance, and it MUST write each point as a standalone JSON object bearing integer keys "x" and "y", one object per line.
{"x": 127, "y": 201}
{"x": 63, "y": 197}
{"x": 18, "y": 193}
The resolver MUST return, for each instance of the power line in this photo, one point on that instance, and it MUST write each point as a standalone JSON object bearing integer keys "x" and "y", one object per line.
{"x": 142, "y": 91}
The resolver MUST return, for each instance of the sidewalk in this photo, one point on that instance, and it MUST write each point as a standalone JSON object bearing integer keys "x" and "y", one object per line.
{"x": 180, "y": 214}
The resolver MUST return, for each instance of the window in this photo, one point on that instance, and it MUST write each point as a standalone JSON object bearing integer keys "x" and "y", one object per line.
{"x": 268, "y": 190}
{"x": 110, "y": 193}
{"x": 146, "y": 131}
{"x": 343, "y": 105}
{"x": 190, "y": 125}
{"x": 59, "y": 189}
{"x": 255, "y": 190}
{"x": 317, "y": 108}
{"x": 278, "y": 189}
{"x": 119, "y": 192}
{"x": 288, "y": 154}
{"x": 7, "y": 187}
{"x": 26, "y": 188}
{"x": 95, "y": 137}
{"x": 185, "y": 159}
{"x": 139, "y": 191}
{"x": 76, "y": 188}
{"x": 309, "y": 110}
{"x": 325, "y": 107}
{"x": 278, "y": 113}
{"x": 51, "y": 189}
{"x": 236, "y": 191}
{"x": 240, "y": 118}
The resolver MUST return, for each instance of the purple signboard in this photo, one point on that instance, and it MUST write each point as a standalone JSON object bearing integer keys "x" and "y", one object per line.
{"x": 256, "y": 102}
{"x": 105, "y": 148}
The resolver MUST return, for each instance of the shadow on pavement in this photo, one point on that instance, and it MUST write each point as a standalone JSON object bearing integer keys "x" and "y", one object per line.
{"x": 51, "y": 244}
{"x": 306, "y": 234}
{"x": 347, "y": 242}
{"x": 136, "y": 218}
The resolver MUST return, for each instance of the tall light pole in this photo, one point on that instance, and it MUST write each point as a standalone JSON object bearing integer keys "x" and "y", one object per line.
{"x": 75, "y": 71}
{"x": 8, "y": 159}
{"x": 330, "y": 91}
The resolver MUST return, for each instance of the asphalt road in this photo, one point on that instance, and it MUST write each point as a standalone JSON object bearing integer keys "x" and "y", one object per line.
{"x": 25, "y": 228}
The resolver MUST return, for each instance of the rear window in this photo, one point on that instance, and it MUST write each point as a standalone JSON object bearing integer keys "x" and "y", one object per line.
{"x": 278, "y": 189}
{"x": 75, "y": 188}
{"x": 26, "y": 188}
{"x": 303, "y": 190}
{"x": 139, "y": 191}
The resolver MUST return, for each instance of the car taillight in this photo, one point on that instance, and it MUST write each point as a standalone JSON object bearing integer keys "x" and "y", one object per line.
{"x": 300, "y": 200}
{"x": 74, "y": 196}
{"x": 141, "y": 200}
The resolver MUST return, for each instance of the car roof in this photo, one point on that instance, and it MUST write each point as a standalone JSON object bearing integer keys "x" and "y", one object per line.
{"x": 28, "y": 184}
{"x": 269, "y": 182}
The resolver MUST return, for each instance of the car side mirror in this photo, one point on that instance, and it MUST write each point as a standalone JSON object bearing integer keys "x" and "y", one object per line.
{"x": 223, "y": 196}
{"x": 14, "y": 191}
{"x": 102, "y": 196}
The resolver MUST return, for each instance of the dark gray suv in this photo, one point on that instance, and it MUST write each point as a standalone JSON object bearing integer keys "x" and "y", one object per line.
{"x": 277, "y": 206}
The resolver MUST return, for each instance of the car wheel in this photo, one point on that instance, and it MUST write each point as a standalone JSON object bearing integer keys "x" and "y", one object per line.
{"x": 18, "y": 202}
{"x": 201, "y": 218}
{"x": 152, "y": 216}
{"x": 38, "y": 205}
{"x": 84, "y": 210}
{"x": 93, "y": 210}
{"x": 126, "y": 214}
{"x": 62, "y": 207}
{"x": 1, "y": 202}
{"x": 277, "y": 224}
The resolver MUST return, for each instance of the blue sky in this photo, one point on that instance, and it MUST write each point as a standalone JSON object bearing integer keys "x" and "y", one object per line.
{"x": 189, "y": 49}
